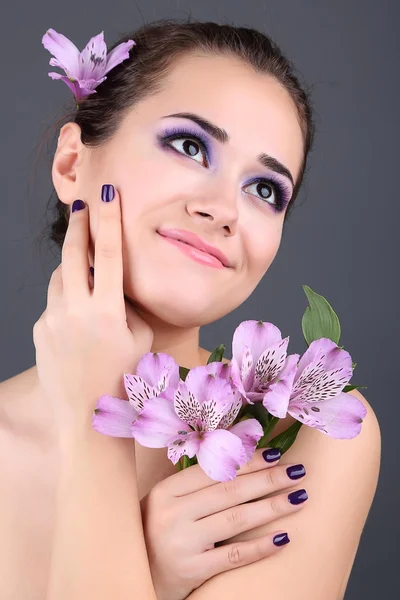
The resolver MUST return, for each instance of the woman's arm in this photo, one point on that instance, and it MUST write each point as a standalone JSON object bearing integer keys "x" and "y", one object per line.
{"x": 98, "y": 546}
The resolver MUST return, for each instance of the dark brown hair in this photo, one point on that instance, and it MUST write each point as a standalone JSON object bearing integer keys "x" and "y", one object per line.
{"x": 158, "y": 46}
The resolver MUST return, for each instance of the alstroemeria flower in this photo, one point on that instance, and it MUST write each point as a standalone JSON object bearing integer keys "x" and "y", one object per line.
{"x": 260, "y": 364}
{"x": 87, "y": 69}
{"x": 156, "y": 374}
{"x": 316, "y": 398}
{"x": 196, "y": 423}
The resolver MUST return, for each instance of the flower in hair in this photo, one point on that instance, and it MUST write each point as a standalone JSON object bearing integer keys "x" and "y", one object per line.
{"x": 87, "y": 69}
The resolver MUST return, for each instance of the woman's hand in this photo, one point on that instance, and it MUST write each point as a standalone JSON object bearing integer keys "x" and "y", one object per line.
{"x": 187, "y": 513}
{"x": 88, "y": 336}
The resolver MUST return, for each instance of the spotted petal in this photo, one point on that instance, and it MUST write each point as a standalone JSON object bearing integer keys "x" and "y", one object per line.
{"x": 233, "y": 412}
{"x": 159, "y": 370}
{"x": 276, "y": 400}
{"x": 256, "y": 335}
{"x": 138, "y": 390}
{"x": 340, "y": 417}
{"x": 187, "y": 445}
{"x": 270, "y": 364}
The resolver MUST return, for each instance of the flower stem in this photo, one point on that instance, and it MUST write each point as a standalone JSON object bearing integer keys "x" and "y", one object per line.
{"x": 263, "y": 442}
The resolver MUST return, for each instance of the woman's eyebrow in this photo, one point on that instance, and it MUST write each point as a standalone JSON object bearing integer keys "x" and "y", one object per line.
{"x": 222, "y": 136}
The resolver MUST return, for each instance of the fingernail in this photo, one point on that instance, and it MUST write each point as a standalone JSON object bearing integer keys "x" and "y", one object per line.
{"x": 296, "y": 471}
{"x": 298, "y": 497}
{"x": 91, "y": 270}
{"x": 281, "y": 539}
{"x": 78, "y": 205}
{"x": 107, "y": 192}
{"x": 271, "y": 454}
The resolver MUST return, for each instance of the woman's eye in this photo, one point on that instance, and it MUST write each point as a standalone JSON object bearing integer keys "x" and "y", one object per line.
{"x": 265, "y": 191}
{"x": 189, "y": 147}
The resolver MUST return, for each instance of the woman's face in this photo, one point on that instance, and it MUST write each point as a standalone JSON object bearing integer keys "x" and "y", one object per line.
{"x": 217, "y": 190}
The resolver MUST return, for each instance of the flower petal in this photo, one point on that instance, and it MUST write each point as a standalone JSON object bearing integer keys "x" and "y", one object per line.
{"x": 159, "y": 370}
{"x": 186, "y": 405}
{"x": 119, "y": 54}
{"x": 64, "y": 50}
{"x": 187, "y": 445}
{"x": 276, "y": 400}
{"x": 93, "y": 58}
{"x": 250, "y": 432}
{"x": 233, "y": 412}
{"x": 270, "y": 364}
{"x": 114, "y": 416}
{"x": 257, "y": 335}
{"x": 221, "y": 454}
{"x": 339, "y": 417}
{"x": 74, "y": 86}
{"x": 214, "y": 395}
{"x": 237, "y": 380}
{"x": 138, "y": 390}
{"x": 157, "y": 424}
{"x": 325, "y": 375}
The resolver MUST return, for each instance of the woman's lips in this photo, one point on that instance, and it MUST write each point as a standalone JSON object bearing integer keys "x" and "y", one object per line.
{"x": 195, "y": 254}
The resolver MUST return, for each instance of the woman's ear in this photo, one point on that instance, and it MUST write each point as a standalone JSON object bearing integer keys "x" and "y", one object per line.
{"x": 67, "y": 160}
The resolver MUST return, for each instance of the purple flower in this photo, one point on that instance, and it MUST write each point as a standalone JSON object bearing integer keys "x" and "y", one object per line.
{"x": 195, "y": 422}
{"x": 87, "y": 69}
{"x": 309, "y": 391}
{"x": 156, "y": 373}
{"x": 260, "y": 365}
{"x": 316, "y": 398}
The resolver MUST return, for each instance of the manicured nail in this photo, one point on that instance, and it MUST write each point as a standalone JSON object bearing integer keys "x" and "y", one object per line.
{"x": 281, "y": 539}
{"x": 298, "y": 497}
{"x": 271, "y": 454}
{"x": 78, "y": 205}
{"x": 296, "y": 471}
{"x": 107, "y": 192}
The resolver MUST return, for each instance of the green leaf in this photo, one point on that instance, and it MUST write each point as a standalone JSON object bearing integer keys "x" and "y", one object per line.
{"x": 348, "y": 388}
{"x": 217, "y": 354}
{"x": 183, "y": 371}
{"x": 319, "y": 319}
{"x": 286, "y": 439}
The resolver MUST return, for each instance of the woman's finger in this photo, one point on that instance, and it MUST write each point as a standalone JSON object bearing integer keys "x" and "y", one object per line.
{"x": 75, "y": 263}
{"x": 55, "y": 289}
{"x": 238, "y": 554}
{"x": 193, "y": 478}
{"x": 211, "y": 501}
{"x": 108, "y": 264}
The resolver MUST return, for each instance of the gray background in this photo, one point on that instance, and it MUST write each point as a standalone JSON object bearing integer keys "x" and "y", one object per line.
{"x": 341, "y": 239}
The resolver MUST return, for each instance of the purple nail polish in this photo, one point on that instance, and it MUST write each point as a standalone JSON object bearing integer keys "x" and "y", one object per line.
{"x": 271, "y": 454}
{"x": 107, "y": 192}
{"x": 281, "y": 539}
{"x": 78, "y": 205}
{"x": 298, "y": 497}
{"x": 296, "y": 471}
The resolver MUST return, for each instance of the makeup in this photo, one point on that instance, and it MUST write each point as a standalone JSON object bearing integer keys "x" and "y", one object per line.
{"x": 266, "y": 187}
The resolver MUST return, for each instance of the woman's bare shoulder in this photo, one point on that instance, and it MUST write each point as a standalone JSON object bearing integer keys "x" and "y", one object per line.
{"x": 24, "y": 412}
{"x": 13, "y": 392}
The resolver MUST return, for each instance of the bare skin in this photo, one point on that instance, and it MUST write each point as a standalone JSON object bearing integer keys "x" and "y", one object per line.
{"x": 29, "y": 466}
{"x": 160, "y": 188}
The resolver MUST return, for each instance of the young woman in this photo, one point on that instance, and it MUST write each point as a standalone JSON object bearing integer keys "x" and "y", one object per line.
{"x": 204, "y": 131}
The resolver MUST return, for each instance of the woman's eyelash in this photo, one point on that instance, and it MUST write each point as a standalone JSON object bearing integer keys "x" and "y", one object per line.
{"x": 282, "y": 194}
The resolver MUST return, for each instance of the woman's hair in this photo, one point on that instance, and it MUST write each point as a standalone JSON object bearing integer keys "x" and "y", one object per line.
{"x": 158, "y": 47}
